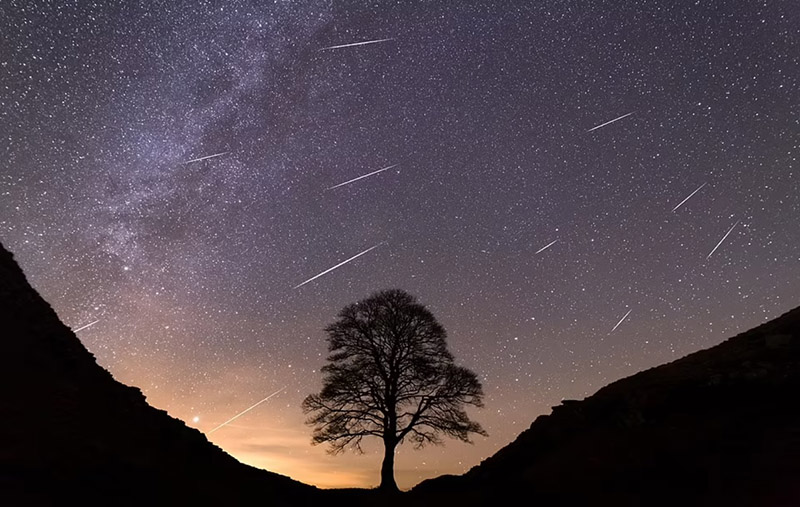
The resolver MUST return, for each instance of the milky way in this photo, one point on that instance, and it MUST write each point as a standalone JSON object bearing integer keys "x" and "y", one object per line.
{"x": 189, "y": 268}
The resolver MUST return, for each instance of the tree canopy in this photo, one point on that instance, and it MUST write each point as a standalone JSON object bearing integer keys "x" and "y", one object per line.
{"x": 389, "y": 375}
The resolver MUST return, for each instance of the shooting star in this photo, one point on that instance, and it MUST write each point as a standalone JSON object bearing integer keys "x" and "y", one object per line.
{"x": 621, "y": 320}
{"x": 356, "y": 44}
{"x": 90, "y": 324}
{"x": 206, "y": 157}
{"x": 361, "y": 177}
{"x": 243, "y": 412}
{"x": 339, "y": 265}
{"x": 723, "y": 239}
{"x": 609, "y": 122}
{"x": 690, "y": 196}
{"x": 545, "y": 247}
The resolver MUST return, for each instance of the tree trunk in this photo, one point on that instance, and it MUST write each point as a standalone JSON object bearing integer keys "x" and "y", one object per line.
{"x": 387, "y": 469}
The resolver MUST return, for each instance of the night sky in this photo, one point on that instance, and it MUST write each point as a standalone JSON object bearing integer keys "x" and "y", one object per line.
{"x": 483, "y": 108}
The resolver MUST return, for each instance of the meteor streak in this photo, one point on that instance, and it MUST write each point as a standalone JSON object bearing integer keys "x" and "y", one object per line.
{"x": 206, "y": 157}
{"x": 361, "y": 177}
{"x": 621, "y": 320}
{"x": 338, "y": 265}
{"x": 356, "y": 44}
{"x": 723, "y": 239}
{"x": 246, "y": 410}
{"x": 90, "y": 324}
{"x": 609, "y": 122}
{"x": 545, "y": 247}
{"x": 690, "y": 196}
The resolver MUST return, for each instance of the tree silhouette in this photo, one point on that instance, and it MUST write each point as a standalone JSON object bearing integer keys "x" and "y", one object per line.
{"x": 390, "y": 375}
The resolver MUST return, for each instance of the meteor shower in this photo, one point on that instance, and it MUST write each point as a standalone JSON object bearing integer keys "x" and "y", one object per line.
{"x": 340, "y": 252}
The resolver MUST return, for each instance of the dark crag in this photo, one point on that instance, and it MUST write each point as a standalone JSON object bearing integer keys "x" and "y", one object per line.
{"x": 72, "y": 433}
{"x": 717, "y": 427}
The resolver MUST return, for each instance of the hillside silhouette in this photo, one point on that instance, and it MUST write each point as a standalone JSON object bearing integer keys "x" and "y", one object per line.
{"x": 71, "y": 433}
{"x": 717, "y": 427}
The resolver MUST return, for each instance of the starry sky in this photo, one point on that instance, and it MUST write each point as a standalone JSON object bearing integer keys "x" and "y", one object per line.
{"x": 486, "y": 110}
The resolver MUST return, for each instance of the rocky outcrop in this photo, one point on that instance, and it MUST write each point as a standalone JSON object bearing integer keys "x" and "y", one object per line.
{"x": 72, "y": 434}
{"x": 718, "y": 427}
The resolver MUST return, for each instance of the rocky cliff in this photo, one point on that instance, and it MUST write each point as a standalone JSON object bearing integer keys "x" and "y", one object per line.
{"x": 718, "y": 427}
{"x": 72, "y": 434}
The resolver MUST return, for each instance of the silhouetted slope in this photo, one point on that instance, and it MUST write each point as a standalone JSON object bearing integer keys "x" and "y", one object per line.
{"x": 718, "y": 427}
{"x": 69, "y": 432}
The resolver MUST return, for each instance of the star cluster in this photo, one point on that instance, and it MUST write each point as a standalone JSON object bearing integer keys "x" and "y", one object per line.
{"x": 559, "y": 256}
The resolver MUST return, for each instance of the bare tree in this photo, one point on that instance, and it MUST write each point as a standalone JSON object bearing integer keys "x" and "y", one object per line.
{"x": 389, "y": 375}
